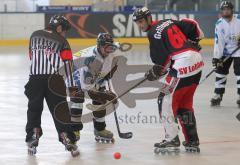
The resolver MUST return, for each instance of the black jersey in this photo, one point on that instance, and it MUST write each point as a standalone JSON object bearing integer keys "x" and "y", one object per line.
{"x": 47, "y": 50}
{"x": 170, "y": 37}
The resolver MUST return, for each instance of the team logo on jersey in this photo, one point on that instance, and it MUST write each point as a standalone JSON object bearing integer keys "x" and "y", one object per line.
{"x": 223, "y": 31}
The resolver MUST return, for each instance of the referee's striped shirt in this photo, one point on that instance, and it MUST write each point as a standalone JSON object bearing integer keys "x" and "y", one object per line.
{"x": 47, "y": 51}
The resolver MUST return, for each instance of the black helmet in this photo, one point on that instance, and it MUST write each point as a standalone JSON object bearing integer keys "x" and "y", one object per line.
{"x": 226, "y": 4}
{"x": 57, "y": 20}
{"x": 141, "y": 13}
{"x": 104, "y": 39}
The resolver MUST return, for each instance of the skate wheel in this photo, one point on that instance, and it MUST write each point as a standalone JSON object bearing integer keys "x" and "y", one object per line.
{"x": 156, "y": 150}
{"x": 113, "y": 141}
{"x": 163, "y": 152}
{"x": 198, "y": 150}
{"x": 193, "y": 150}
{"x": 97, "y": 140}
{"x": 75, "y": 153}
{"x": 188, "y": 150}
{"x": 177, "y": 151}
{"x": 215, "y": 105}
{"x": 32, "y": 151}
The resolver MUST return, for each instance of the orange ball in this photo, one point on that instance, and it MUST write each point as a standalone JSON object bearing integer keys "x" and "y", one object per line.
{"x": 117, "y": 155}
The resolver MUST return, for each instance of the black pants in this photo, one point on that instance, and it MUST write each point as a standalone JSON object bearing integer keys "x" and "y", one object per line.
{"x": 36, "y": 90}
{"x": 222, "y": 72}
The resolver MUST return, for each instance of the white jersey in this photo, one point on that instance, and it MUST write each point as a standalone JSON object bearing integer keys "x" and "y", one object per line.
{"x": 226, "y": 37}
{"x": 94, "y": 68}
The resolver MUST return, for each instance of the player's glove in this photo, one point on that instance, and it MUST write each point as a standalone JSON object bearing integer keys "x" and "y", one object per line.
{"x": 76, "y": 95}
{"x": 155, "y": 73}
{"x": 102, "y": 96}
{"x": 217, "y": 63}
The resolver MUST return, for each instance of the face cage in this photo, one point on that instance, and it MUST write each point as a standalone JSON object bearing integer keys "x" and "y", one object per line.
{"x": 110, "y": 48}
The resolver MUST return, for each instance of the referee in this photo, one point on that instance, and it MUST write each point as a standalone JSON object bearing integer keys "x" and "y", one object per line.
{"x": 48, "y": 51}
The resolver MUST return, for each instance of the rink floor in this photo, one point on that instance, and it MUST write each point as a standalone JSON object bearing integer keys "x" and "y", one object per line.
{"x": 218, "y": 128}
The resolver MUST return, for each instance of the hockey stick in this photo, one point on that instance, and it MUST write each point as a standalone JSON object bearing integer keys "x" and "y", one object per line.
{"x": 101, "y": 107}
{"x": 213, "y": 70}
{"x": 123, "y": 47}
{"x": 122, "y": 135}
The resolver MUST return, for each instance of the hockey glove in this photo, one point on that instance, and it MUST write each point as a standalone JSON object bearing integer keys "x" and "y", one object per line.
{"x": 76, "y": 95}
{"x": 217, "y": 63}
{"x": 155, "y": 73}
{"x": 102, "y": 97}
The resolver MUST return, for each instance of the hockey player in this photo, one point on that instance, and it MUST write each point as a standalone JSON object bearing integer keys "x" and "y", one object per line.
{"x": 92, "y": 77}
{"x": 227, "y": 35}
{"x": 48, "y": 50}
{"x": 174, "y": 50}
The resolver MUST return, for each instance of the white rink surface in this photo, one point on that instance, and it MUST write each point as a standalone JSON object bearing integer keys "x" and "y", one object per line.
{"x": 218, "y": 128}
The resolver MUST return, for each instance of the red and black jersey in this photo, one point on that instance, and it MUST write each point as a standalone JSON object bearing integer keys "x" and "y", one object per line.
{"x": 170, "y": 37}
{"x": 47, "y": 51}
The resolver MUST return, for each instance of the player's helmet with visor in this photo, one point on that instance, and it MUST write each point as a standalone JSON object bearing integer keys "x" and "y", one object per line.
{"x": 106, "y": 41}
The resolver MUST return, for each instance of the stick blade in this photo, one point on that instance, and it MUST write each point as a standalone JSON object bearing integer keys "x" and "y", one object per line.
{"x": 127, "y": 135}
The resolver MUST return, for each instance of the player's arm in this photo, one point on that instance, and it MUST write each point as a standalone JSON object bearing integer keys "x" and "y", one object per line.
{"x": 191, "y": 29}
{"x": 219, "y": 43}
{"x": 76, "y": 94}
{"x": 30, "y": 48}
{"x": 67, "y": 58}
{"x": 160, "y": 59}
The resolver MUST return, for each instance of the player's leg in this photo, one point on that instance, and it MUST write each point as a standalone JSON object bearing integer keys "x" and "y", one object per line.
{"x": 167, "y": 108}
{"x": 188, "y": 122}
{"x": 34, "y": 90}
{"x": 100, "y": 97}
{"x": 101, "y": 133}
{"x": 236, "y": 64}
{"x": 220, "y": 82}
{"x": 65, "y": 131}
{"x": 76, "y": 107}
{"x": 185, "y": 112}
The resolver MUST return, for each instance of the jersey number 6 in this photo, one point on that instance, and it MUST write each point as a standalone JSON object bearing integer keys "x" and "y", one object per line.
{"x": 176, "y": 37}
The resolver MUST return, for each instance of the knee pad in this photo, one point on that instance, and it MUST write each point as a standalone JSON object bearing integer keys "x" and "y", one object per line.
{"x": 98, "y": 114}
